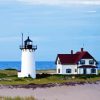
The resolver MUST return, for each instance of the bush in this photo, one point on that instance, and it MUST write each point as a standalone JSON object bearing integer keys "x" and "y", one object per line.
{"x": 43, "y": 75}
{"x": 10, "y": 69}
{"x": 3, "y": 75}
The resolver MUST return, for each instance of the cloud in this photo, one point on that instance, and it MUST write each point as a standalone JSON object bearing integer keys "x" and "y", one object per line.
{"x": 54, "y": 2}
{"x": 61, "y": 2}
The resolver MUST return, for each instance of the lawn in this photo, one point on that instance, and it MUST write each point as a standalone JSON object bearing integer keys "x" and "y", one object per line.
{"x": 9, "y": 77}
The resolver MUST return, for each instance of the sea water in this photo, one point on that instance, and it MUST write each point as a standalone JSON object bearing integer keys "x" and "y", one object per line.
{"x": 40, "y": 65}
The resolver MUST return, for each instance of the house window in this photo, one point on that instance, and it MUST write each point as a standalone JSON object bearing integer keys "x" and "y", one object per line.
{"x": 93, "y": 70}
{"x": 68, "y": 70}
{"x": 58, "y": 70}
{"x": 91, "y": 61}
{"x": 82, "y": 62}
{"x": 75, "y": 70}
{"x": 58, "y": 61}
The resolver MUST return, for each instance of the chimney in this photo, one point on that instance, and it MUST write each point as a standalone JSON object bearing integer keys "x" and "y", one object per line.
{"x": 71, "y": 51}
{"x": 82, "y": 49}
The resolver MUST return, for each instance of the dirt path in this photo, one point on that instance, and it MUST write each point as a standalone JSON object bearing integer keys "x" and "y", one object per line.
{"x": 78, "y": 92}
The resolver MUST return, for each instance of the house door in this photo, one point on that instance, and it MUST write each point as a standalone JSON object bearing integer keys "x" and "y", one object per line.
{"x": 84, "y": 71}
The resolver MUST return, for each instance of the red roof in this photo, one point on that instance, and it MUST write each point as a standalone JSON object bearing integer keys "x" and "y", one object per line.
{"x": 68, "y": 58}
{"x": 84, "y": 55}
{"x": 73, "y": 58}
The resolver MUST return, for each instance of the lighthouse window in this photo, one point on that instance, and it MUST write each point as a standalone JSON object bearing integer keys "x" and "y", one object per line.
{"x": 29, "y": 43}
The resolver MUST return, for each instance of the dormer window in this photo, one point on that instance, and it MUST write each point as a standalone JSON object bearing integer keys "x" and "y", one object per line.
{"x": 82, "y": 62}
{"x": 59, "y": 62}
{"x": 91, "y": 61}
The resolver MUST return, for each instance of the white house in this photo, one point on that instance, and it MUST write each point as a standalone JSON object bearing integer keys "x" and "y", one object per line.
{"x": 27, "y": 59}
{"x": 79, "y": 63}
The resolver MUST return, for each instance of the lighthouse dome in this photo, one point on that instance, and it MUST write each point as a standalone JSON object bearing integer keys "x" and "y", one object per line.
{"x": 28, "y": 43}
{"x": 28, "y": 40}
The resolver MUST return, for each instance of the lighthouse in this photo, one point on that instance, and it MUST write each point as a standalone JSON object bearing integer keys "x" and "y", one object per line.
{"x": 27, "y": 59}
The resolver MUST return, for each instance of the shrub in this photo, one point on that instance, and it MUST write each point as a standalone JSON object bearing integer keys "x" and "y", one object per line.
{"x": 43, "y": 75}
{"x": 10, "y": 69}
{"x": 3, "y": 75}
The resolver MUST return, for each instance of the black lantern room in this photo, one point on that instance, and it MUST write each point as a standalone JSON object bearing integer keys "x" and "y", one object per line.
{"x": 28, "y": 44}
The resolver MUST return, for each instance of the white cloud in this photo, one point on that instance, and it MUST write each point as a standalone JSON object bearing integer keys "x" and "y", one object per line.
{"x": 61, "y": 2}
{"x": 55, "y": 2}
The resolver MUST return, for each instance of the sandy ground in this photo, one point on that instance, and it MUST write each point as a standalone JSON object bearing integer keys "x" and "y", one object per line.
{"x": 78, "y": 92}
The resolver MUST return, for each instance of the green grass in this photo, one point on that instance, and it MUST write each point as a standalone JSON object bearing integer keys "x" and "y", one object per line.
{"x": 99, "y": 71}
{"x": 17, "y": 98}
{"x": 9, "y": 77}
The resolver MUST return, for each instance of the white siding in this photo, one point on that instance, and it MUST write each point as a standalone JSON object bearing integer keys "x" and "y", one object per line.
{"x": 96, "y": 71}
{"x": 64, "y": 67}
{"x": 87, "y": 62}
{"x": 88, "y": 71}
{"x": 59, "y": 67}
{"x": 73, "y": 67}
{"x": 80, "y": 70}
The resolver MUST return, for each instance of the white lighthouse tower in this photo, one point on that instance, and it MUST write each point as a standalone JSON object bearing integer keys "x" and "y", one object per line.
{"x": 27, "y": 60}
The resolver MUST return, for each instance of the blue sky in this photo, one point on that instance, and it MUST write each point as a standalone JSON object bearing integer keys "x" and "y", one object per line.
{"x": 56, "y": 26}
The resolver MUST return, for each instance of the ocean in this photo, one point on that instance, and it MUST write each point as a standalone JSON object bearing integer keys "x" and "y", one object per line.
{"x": 40, "y": 65}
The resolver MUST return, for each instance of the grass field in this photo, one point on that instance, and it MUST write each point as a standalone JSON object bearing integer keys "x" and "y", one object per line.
{"x": 9, "y": 77}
